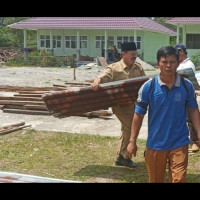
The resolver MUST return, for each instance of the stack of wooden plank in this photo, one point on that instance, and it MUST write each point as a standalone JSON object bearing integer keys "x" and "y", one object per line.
{"x": 75, "y": 102}
{"x": 27, "y": 101}
{"x": 12, "y": 127}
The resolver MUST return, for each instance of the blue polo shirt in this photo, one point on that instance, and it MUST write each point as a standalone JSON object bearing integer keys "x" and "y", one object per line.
{"x": 167, "y": 128}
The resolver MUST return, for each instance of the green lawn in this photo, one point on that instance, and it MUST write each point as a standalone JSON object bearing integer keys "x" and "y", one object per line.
{"x": 78, "y": 157}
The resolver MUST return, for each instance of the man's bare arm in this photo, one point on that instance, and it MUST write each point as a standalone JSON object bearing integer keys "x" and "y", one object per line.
{"x": 195, "y": 118}
{"x": 136, "y": 125}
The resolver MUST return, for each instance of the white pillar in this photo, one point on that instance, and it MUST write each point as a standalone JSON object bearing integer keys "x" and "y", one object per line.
{"x": 106, "y": 45}
{"x": 63, "y": 42}
{"x": 38, "y": 40}
{"x": 177, "y": 34}
{"x": 184, "y": 36}
{"x": 135, "y": 37}
{"x": 51, "y": 42}
{"x": 25, "y": 43}
{"x": 78, "y": 46}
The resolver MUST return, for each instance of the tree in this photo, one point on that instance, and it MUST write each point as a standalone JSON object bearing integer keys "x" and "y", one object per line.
{"x": 15, "y": 37}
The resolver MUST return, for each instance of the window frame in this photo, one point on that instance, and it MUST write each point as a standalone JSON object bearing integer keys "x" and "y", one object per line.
{"x": 193, "y": 42}
{"x": 56, "y": 40}
{"x": 45, "y": 40}
{"x": 71, "y": 40}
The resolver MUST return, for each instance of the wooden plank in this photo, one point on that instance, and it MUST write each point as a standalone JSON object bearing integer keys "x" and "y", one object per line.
{"x": 31, "y": 112}
{"x": 17, "y": 89}
{"x": 10, "y": 102}
{"x": 78, "y": 101}
{"x": 61, "y": 86}
{"x": 2, "y": 107}
{"x": 21, "y": 98}
{"x": 13, "y": 129}
{"x": 14, "y": 106}
{"x": 27, "y": 95}
{"x": 103, "y": 61}
{"x": 35, "y": 107}
{"x": 75, "y": 83}
{"x": 34, "y": 92}
{"x": 12, "y": 125}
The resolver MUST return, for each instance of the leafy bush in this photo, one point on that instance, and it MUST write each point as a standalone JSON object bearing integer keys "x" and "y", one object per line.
{"x": 196, "y": 59}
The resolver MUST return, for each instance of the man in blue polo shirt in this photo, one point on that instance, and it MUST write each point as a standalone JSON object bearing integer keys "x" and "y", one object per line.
{"x": 167, "y": 96}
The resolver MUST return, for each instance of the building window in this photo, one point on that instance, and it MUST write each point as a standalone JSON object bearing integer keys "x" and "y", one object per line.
{"x": 193, "y": 41}
{"x": 122, "y": 39}
{"x": 45, "y": 41}
{"x": 56, "y": 41}
{"x": 83, "y": 42}
{"x": 70, "y": 42}
{"x": 100, "y": 42}
{"x": 138, "y": 42}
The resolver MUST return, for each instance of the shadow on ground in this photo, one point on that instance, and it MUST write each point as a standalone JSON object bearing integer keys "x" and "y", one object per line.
{"x": 114, "y": 174}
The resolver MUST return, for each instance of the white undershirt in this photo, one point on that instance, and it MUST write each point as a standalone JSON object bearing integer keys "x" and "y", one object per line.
{"x": 187, "y": 63}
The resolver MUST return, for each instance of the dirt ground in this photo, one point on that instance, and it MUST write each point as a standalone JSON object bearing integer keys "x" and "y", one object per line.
{"x": 46, "y": 77}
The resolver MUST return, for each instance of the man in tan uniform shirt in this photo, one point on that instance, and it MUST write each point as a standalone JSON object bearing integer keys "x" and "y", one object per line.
{"x": 124, "y": 69}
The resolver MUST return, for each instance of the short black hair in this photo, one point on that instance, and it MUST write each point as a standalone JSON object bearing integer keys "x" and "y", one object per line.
{"x": 167, "y": 51}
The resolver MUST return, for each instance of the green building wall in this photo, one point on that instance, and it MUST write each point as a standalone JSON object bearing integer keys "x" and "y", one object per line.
{"x": 150, "y": 42}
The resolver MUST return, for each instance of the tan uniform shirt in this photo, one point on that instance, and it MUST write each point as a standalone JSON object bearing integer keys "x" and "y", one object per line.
{"x": 119, "y": 71}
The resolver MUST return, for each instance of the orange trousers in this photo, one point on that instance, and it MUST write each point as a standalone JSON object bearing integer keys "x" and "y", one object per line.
{"x": 156, "y": 163}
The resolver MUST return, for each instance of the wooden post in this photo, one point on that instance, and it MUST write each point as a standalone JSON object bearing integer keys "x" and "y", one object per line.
{"x": 74, "y": 73}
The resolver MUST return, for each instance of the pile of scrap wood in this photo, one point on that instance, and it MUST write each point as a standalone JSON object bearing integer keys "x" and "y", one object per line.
{"x": 12, "y": 127}
{"x": 8, "y": 88}
{"x": 75, "y": 102}
{"x": 28, "y": 100}
{"x": 6, "y": 54}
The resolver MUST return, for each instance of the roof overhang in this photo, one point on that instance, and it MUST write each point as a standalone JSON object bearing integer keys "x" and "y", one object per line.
{"x": 88, "y": 28}
{"x": 183, "y": 23}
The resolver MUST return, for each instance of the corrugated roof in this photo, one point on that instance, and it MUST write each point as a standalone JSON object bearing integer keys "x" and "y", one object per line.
{"x": 183, "y": 20}
{"x": 78, "y": 101}
{"x": 138, "y": 23}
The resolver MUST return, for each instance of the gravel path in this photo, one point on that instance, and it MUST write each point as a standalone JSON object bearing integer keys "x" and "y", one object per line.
{"x": 45, "y": 77}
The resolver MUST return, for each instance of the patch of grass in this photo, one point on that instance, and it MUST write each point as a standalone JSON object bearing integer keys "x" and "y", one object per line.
{"x": 79, "y": 157}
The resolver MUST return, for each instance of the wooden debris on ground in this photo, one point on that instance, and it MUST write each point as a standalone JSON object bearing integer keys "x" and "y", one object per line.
{"x": 8, "y": 88}
{"x": 29, "y": 101}
{"x": 7, "y": 54}
{"x": 76, "y": 84}
{"x": 103, "y": 61}
{"x": 12, "y": 127}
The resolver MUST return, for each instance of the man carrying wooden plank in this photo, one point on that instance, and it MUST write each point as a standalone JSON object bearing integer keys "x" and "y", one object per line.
{"x": 124, "y": 69}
